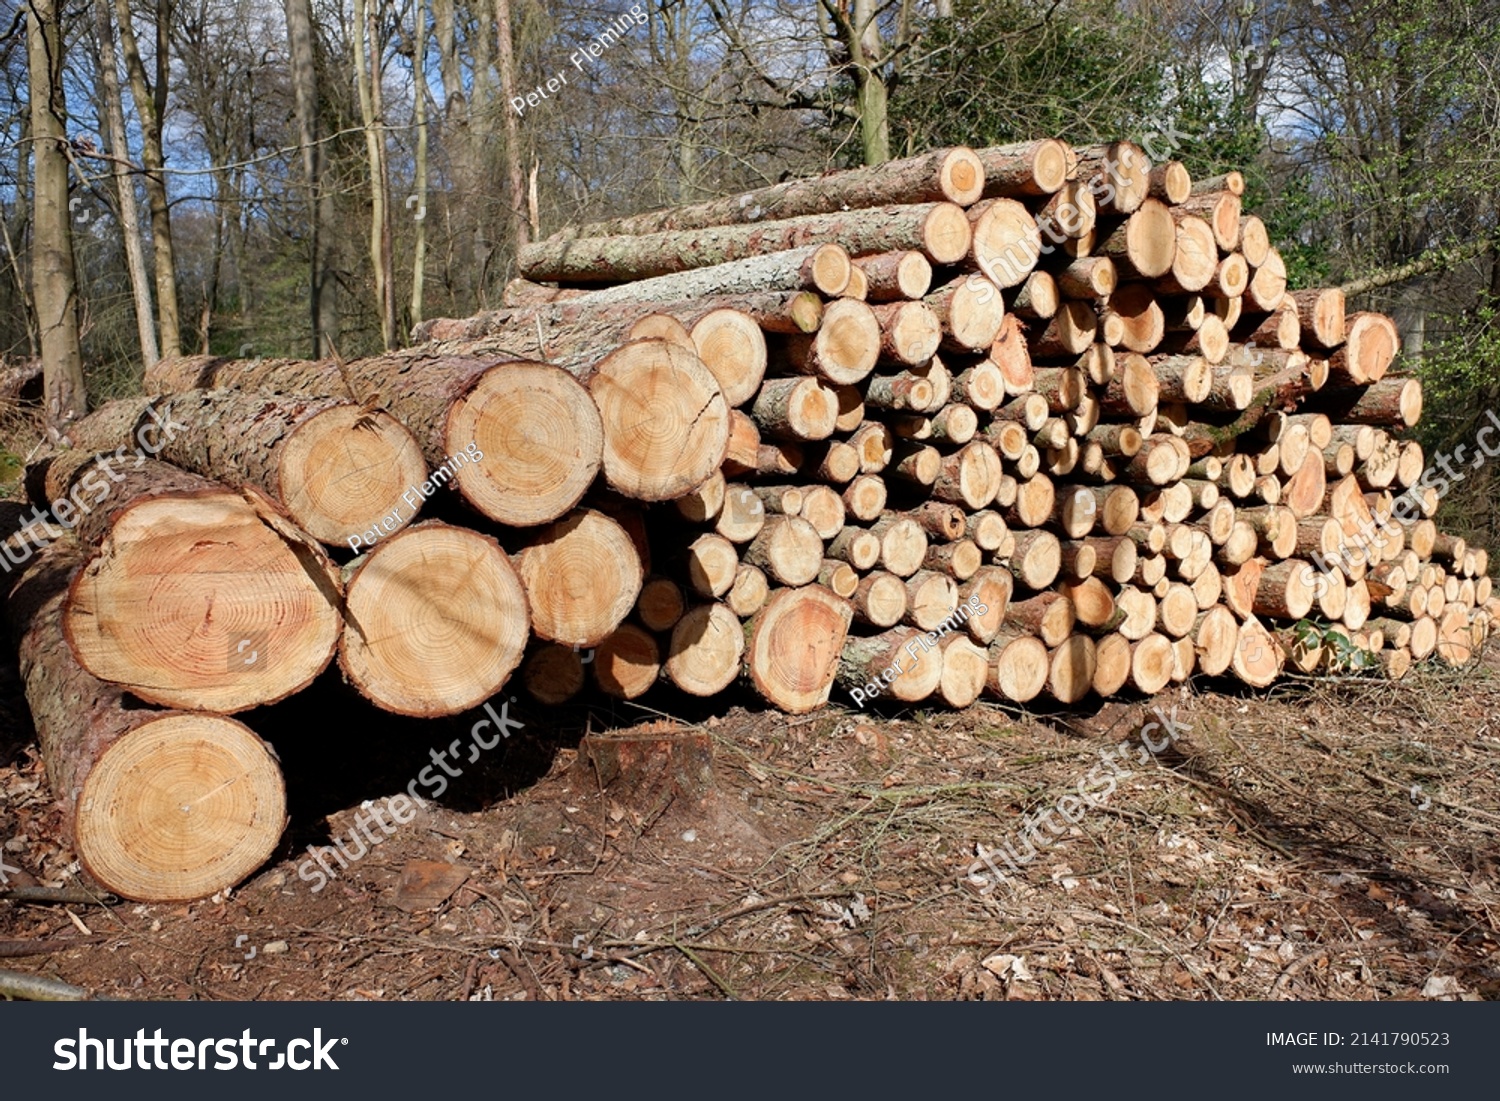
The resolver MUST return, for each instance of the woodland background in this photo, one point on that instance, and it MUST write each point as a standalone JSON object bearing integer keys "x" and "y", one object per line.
{"x": 295, "y": 177}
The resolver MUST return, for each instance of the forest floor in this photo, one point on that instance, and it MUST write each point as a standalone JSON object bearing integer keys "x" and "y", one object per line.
{"x": 1326, "y": 840}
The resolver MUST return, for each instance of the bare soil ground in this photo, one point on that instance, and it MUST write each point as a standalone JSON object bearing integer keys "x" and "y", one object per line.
{"x": 1329, "y": 840}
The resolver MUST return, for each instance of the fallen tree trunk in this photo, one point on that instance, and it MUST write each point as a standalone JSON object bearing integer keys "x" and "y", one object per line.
{"x": 939, "y": 230}
{"x": 160, "y": 806}
{"x": 197, "y": 597}
{"x": 537, "y": 434}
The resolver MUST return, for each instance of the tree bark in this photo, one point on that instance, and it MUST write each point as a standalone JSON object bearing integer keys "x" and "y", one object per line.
{"x": 939, "y": 230}
{"x": 54, "y": 286}
{"x": 124, "y": 775}
{"x": 150, "y": 106}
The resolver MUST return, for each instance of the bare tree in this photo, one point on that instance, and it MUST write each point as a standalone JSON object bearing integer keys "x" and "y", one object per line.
{"x": 367, "y": 75}
{"x": 323, "y": 302}
{"x": 506, "y": 59}
{"x": 150, "y": 98}
{"x": 54, "y": 286}
{"x": 119, "y": 150}
{"x": 419, "y": 110}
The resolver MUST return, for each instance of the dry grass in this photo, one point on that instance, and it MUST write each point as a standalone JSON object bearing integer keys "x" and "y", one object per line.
{"x": 1330, "y": 840}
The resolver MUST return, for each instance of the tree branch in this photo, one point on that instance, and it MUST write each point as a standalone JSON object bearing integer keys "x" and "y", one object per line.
{"x": 1438, "y": 259}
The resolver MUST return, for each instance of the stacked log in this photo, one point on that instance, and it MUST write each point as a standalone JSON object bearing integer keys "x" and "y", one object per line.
{"x": 1112, "y": 381}
{"x": 1024, "y": 422}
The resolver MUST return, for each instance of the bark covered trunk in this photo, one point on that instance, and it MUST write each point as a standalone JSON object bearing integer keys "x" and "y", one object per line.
{"x": 251, "y": 615}
{"x": 161, "y": 806}
{"x": 939, "y": 230}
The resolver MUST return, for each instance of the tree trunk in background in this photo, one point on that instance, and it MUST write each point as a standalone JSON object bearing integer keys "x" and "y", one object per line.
{"x": 874, "y": 122}
{"x": 54, "y": 287}
{"x": 367, "y": 76}
{"x": 15, "y": 231}
{"x": 130, "y": 226}
{"x": 457, "y": 267}
{"x": 419, "y": 95}
{"x": 323, "y": 300}
{"x": 515, "y": 180}
{"x": 150, "y": 104}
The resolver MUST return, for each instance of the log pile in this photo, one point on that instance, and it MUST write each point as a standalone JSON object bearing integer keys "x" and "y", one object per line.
{"x": 1026, "y": 422}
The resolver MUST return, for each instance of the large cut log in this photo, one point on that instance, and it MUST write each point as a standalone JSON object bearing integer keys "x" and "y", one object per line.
{"x": 1006, "y": 241}
{"x": 1144, "y": 245}
{"x": 938, "y": 229}
{"x": 965, "y": 670}
{"x": 1391, "y": 402}
{"x": 795, "y": 642}
{"x": 628, "y": 663}
{"x": 1025, "y": 168}
{"x": 891, "y": 276}
{"x": 703, "y": 657}
{"x": 582, "y": 576}
{"x": 539, "y": 434}
{"x": 160, "y": 806}
{"x": 822, "y": 267}
{"x": 437, "y": 621}
{"x": 1134, "y": 311}
{"x": 197, "y": 597}
{"x": 1019, "y": 665}
{"x": 845, "y": 347}
{"x": 1258, "y": 655}
{"x": 666, "y": 423}
{"x": 970, "y": 312}
{"x": 900, "y": 663}
{"x": 1371, "y": 342}
{"x": 956, "y": 175}
{"x": 340, "y": 471}
{"x": 796, "y": 408}
{"x": 1070, "y": 670}
{"x": 1118, "y": 174}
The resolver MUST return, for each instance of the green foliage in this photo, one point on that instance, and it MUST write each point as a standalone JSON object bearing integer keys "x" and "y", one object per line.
{"x": 1340, "y": 655}
{"x": 1013, "y": 70}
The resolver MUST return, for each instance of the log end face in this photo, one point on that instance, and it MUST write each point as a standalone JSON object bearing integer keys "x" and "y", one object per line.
{"x": 946, "y": 236}
{"x": 961, "y": 177}
{"x": 524, "y": 444}
{"x": 194, "y": 601}
{"x": 665, "y": 420}
{"x": 795, "y": 645}
{"x": 438, "y": 621}
{"x": 345, "y": 471}
{"x": 582, "y": 576}
{"x": 179, "y": 809}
